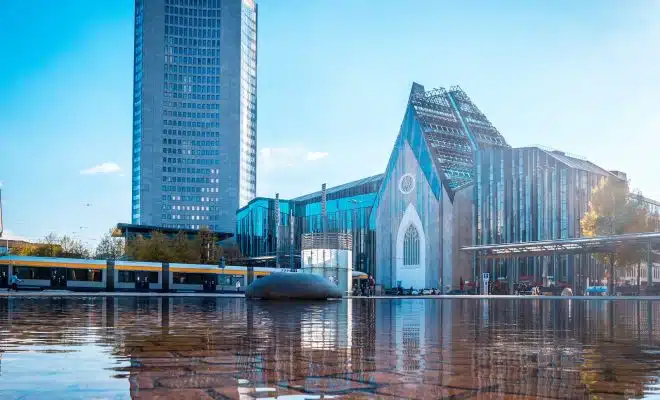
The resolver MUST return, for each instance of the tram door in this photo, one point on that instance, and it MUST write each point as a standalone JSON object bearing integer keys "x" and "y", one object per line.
{"x": 142, "y": 280}
{"x": 4, "y": 276}
{"x": 210, "y": 282}
{"x": 58, "y": 278}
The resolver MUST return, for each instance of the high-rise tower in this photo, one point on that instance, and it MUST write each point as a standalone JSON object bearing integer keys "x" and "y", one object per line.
{"x": 194, "y": 112}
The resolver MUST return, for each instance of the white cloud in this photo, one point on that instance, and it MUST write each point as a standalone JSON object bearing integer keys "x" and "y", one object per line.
{"x": 316, "y": 155}
{"x": 105, "y": 168}
{"x": 287, "y": 157}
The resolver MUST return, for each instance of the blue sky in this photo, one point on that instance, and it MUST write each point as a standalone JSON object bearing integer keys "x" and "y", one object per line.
{"x": 333, "y": 80}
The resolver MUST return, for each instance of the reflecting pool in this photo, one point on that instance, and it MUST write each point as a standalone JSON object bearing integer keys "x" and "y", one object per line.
{"x": 232, "y": 348}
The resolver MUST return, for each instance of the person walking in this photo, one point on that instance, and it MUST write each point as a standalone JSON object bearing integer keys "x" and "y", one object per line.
{"x": 372, "y": 286}
{"x": 238, "y": 285}
{"x": 14, "y": 282}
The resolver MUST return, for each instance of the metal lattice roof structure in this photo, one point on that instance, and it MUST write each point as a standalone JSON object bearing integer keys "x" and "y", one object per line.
{"x": 588, "y": 245}
{"x": 454, "y": 128}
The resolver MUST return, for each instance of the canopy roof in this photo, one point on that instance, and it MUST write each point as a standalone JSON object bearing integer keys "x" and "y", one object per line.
{"x": 585, "y": 245}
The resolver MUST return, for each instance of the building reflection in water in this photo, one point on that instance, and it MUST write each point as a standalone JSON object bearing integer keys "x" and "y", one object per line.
{"x": 233, "y": 348}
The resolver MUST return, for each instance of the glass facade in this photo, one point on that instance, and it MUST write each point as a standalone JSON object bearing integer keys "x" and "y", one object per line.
{"x": 532, "y": 194}
{"x": 194, "y": 109}
{"x": 248, "y": 146}
{"x": 451, "y": 181}
{"x": 262, "y": 231}
{"x": 439, "y": 136}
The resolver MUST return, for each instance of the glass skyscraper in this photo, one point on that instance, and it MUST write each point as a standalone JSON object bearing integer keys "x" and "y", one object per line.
{"x": 194, "y": 112}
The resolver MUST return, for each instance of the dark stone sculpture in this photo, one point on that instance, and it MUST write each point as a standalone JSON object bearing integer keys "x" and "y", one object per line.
{"x": 302, "y": 286}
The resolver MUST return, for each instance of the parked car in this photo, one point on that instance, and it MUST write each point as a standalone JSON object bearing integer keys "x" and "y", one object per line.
{"x": 596, "y": 291}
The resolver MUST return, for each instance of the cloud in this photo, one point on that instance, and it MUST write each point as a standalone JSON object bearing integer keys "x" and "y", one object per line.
{"x": 105, "y": 168}
{"x": 271, "y": 158}
{"x": 316, "y": 155}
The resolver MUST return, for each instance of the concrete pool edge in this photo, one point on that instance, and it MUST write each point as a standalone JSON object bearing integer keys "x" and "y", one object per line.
{"x": 53, "y": 293}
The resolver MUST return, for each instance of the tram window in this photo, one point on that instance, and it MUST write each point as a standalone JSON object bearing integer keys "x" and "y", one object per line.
{"x": 188, "y": 279}
{"x": 32, "y": 273}
{"x": 127, "y": 276}
{"x": 84, "y": 274}
{"x": 153, "y": 277}
{"x": 234, "y": 278}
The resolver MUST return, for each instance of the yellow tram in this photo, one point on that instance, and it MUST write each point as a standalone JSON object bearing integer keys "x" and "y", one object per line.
{"x": 107, "y": 275}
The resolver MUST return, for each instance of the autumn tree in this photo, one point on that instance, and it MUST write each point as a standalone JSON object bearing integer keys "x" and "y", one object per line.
{"x": 185, "y": 250}
{"x": 201, "y": 248}
{"x": 49, "y": 246}
{"x": 54, "y": 246}
{"x": 25, "y": 249}
{"x": 109, "y": 248}
{"x": 72, "y": 248}
{"x": 156, "y": 248}
{"x": 613, "y": 211}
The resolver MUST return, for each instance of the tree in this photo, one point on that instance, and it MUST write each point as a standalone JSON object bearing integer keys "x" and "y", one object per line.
{"x": 156, "y": 248}
{"x": 50, "y": 246}
{"x": 53, "y": 246}
{"x": 110, "y": 248}
{"x": 613, "y": 211}
{"x": 73, "y": 248}
{"x": 25, "y": 249}
{"x": 182, "y": 248}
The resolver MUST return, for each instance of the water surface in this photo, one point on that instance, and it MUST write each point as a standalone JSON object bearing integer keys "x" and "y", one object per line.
{"x": 231, "y": 348}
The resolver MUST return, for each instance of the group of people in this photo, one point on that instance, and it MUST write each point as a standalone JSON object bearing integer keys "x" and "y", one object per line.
{"x": 367, "y": 287}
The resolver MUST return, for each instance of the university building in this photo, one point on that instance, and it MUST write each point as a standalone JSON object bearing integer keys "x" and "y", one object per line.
{"x": 451, "y": 181}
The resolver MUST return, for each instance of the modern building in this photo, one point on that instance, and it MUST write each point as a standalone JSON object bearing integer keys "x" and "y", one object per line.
{"x": 452, "y": 181}
{"x": 271, "y": 229}
{"x": 194, "y": 112}
{"x": 408, "y": 223}
{"x": 422, "y": 210}
{"x": 531, "y": 194}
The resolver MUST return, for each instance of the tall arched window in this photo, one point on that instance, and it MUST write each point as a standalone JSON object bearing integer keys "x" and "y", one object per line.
{"x": 411, "y": 246}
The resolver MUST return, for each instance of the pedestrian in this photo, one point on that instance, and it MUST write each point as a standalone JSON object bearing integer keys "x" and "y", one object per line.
{"x": 238, "y": 285}
{"x": 372, "y": 286}
{"x": 462, "y": 284}
{"x": 14, "y": 282}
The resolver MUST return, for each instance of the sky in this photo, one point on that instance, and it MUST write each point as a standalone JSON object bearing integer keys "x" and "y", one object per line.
{"x": 333, "y": 82}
